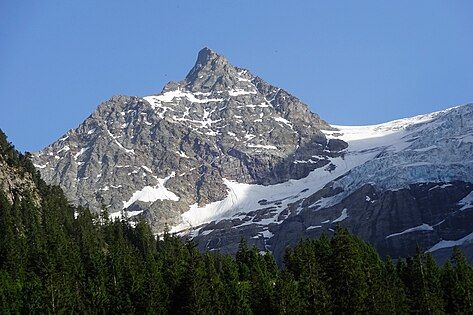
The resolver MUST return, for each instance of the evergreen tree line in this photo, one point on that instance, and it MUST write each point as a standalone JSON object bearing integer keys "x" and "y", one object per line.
{"x": 56, "y": 258}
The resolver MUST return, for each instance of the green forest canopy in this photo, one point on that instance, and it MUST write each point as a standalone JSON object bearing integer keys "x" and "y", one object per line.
{"x": 57, "y": 258}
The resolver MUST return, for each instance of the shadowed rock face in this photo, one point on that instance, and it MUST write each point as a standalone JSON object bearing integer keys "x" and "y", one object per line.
{"x": 395, "y": 222}
{"x": 165, "y": 152}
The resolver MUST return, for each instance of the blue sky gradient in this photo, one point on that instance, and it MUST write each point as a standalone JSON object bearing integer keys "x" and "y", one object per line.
{"x": 352, "y": 62}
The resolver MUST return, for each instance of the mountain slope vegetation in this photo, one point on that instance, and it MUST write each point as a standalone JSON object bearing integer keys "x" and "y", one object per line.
{"x": 58, "y": 258}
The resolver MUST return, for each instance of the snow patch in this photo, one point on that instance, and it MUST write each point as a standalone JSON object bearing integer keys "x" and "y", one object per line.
{"x": 342, "y": 217}
{"x": 243, "y": 198}
{"x": 422, "y": 227}
{"x": 466, "y": 202}
{"x": 153, "y": 193}
{"x": 350, "y": 133}
{"x": 80, "y": 153}
{"x": 206, "y": 232}
{"x": 238, "y": 92}
{"x": 304, "y": 161}
{"x": 118, "y": 215}
{"x": 447, "y": 244}
{"x": 169, "y": 96}
{"x": 440, "y": 186}
{"x": 119, "y": 144}
{"x": 182, "y": 154}
{"x": 146, "y": 168}
{"x": 284, "y": 121}
{"x": 261, "y": 146}
{"x": 266, "y": 234}
{"x": 64, "y": 149}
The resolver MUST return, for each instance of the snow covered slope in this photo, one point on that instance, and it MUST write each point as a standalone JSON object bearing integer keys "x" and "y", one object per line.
{"x": 435, "y": 149}
{"x": 390, "y": 155}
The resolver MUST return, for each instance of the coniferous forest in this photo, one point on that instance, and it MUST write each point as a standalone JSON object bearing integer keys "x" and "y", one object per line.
{"x": 56, "y": 258}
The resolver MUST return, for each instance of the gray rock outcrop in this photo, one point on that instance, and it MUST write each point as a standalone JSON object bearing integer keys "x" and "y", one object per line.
{"x": 165, "y": 152}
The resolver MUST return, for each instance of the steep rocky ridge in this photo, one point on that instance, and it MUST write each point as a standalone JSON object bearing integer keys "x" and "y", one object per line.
{"x": 223, "y": 155}
{"x": 164, "y": 153}
{"x": 17, "y": 174}
{"x": 15, "y": 183}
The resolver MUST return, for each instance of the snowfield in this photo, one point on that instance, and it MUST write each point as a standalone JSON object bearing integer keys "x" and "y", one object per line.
{"x": 152, "y": 193}
{"x": 427, "y": 148}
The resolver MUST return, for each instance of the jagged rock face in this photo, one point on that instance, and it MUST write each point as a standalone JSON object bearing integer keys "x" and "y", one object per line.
{"x": 166, "y": 152}
{"x": 397, "y": 185}
{"x": 223, "y": 155}
{"x": 16, "y": 183}
{"x": 395, "y": 222}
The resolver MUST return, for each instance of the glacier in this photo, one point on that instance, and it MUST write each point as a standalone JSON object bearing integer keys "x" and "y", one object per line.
{"x": 434, "y": 147}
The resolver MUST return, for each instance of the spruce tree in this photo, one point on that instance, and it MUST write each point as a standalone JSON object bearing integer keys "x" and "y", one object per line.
{"x": 421, "y": 277}
{"x": 462, "y": 295}
{"x": 287, "y": 296}
{"x": 348, "y": 284}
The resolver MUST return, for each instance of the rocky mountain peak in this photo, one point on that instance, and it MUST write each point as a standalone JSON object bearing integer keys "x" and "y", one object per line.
{"x": 206, "y": 56}
{"x": 223, "y": 145}
{"x": 212, "y": 73}
{"x": 166, "y": 152}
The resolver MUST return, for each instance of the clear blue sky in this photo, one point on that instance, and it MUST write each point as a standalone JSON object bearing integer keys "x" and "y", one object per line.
{"x": 353, "y": 62}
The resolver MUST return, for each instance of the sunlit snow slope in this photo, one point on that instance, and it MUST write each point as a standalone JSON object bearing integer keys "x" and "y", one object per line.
{"x": 436, "y": 147}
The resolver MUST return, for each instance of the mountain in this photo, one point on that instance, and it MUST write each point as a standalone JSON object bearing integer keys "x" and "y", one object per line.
{"x": 223, "y": 155}
{"x": 400, "y": 184}
{"x": 167, "y": 152}
{"x": 18, "y": 176}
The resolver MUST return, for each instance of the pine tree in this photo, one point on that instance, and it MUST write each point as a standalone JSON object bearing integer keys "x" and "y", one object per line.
{"x": 237, "y": 293}
{"x": 312, "y": 280}
{"x": 244, "y": 260}
{"x": 262, "y": 281}
{"x": 449, "y": 285}
{"x": 373, "y": 270}
{"x": 395, "y": 300}
{"x": 457, "y": 283}
{"x": 348, "y": 286}
{"x": 287, "y": 297}
{"x": 7, "y": 151}
{"x": 421, "y": 277}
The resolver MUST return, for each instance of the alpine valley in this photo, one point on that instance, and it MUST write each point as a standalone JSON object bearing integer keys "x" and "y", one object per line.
{"x": 223, "y": 155}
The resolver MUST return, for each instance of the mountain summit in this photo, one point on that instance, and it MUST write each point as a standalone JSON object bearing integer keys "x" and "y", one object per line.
{"x": 161, "y": 154}
{"x": 223, "y": 155}
{"x": 207, "y": 62}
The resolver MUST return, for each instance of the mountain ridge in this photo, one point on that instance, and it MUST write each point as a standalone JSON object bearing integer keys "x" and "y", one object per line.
{"x": 223, "y": 155}
{"x": 225, "y": 122}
